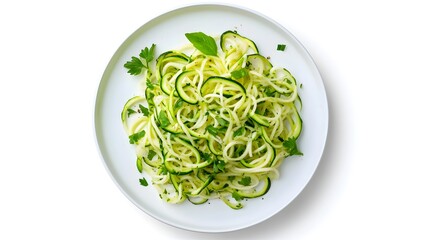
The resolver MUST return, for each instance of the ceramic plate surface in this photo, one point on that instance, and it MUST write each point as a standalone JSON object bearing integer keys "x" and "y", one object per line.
{"x": 167, "y": 31}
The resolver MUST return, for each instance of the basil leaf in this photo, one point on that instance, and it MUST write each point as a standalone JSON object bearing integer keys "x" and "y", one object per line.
{"x": 203, "y": 42}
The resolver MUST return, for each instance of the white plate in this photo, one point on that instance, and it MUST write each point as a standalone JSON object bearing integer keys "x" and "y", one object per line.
{"x": 167, "y": 32}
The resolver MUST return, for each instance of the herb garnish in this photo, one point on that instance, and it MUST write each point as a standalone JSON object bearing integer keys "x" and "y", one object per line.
{"x": 137, "y": 64}
{"x": 203, "y": 42}
{"x": 134, "y": 138}
{"x": 163, "y": 119}
{"x": 281, "y": 47}
{"x": 144, "y": 110}
{"x": 245, "y": 181}
{"x": 218, "y": 166}
{"x": 151, "y": 154}
{"x": 143, "y": 182}
{"x": 130, "y": 111}
{"x": 291, "y": 147}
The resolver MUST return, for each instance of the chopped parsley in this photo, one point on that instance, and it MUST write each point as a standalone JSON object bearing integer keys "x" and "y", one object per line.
{"x": 218, "y": 166}
{"x": 134, "y": 138}
{"x": 163, "y": 119}
{"x": 144, "y": 110}
{"x": 281, "y": 47}
{"x": 143, "y": 182}
{"x": 151, "y": 154}
{"x": 245, "y": 181}
{"x": 130, "y": 111}
{"x": 291, "y": 147}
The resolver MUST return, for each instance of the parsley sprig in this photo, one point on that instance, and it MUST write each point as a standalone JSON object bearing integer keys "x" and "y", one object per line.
{"x": 136, "y": 65}
{"x": 134, "y": 138}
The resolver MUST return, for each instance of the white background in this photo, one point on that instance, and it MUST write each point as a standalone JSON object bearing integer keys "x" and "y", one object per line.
{"x": 372, "y": 182}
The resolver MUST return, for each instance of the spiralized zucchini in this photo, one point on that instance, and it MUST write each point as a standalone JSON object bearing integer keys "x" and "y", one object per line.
{"x": 214, "y": 126}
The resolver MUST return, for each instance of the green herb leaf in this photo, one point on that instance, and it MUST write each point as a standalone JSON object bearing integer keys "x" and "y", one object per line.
{"x": 281, "y": 47}
{"x": 291, "y": 147}
{"x": 134, "y": 66}
{"x": 218, "y": 166}
{"x": 148, "y": 54}
{"x": 151, "y": 154}
{"x": 203, "y": 42}
{"x": 163, "y": 119}
{"x": 134, "y": 138}
{"x": 239, "y": 132}
{"x": 212, "y": 130}
{"x": 245, "y": 181}
{"x": 144, "y": 110}
{"x": 241, "y": 73}
{"x": 237, "y": 196}
{"x": 143, "y": 182}
{"x": 206, "y": 156}
{"x": 130, "y": 111}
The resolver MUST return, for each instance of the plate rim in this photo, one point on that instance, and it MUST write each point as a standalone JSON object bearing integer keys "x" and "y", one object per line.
{"x": 112, "y": 60}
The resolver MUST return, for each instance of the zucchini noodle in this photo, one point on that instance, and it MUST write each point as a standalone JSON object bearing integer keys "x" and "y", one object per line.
{"x": 211, "y": 127}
